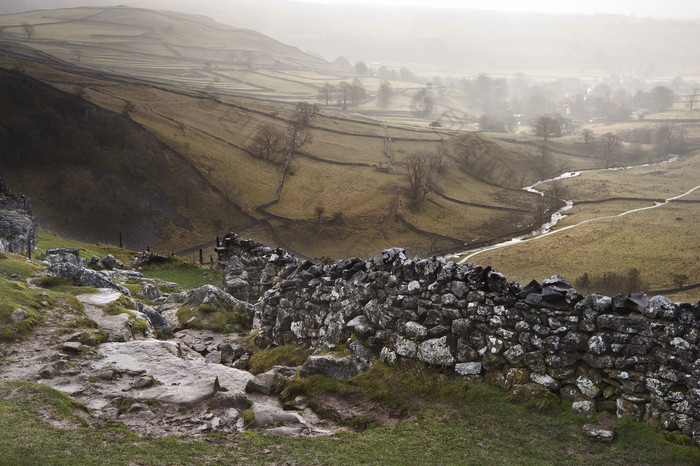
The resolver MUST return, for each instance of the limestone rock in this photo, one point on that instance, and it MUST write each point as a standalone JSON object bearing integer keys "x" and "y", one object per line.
{"x": 598, "y": 433}
{"x": 191, "y": 393}
{"x": 80, "y": 276}
{"x": 332, "y": 366}
{"x": 436, "y": 351}
{"x": 272, "y": 381}
{"x": 56, "y": 255}
{"x": 149, "y": 291}
{"x": 158, "y": 322}
{"x": 584, "y": 407}
{"x": 19, "y": 315}
{"x": 18, "y": 228}
{"x": 234, "y": 279}
{"x": 468, "y": 368}
{"x": 111, "y": 262}
{"x": 72, "y": 347}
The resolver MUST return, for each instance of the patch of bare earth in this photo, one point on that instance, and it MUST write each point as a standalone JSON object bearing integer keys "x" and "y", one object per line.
{"x": 347, "y": 408}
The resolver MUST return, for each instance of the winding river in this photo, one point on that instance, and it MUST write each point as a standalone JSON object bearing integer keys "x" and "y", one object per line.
{"x": 546, "y": 228}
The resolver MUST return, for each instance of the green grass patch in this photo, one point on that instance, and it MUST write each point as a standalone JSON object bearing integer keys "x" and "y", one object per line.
{"x": 15, "y": 264}
{"x": 208, "y": 317}
{"x": 50, "y": 240}
{"x": 285, "y": 355}
{"x": 183, "y": 273}
{"x": 16, "y": 295}
{"x": 62, "y": 285}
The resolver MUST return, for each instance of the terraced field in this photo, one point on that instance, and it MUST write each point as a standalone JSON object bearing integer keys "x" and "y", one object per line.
{"x": 203, "y": 89}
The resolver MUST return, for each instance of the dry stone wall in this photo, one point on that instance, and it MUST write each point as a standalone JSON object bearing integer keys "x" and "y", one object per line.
{"x": 632, "y": 355}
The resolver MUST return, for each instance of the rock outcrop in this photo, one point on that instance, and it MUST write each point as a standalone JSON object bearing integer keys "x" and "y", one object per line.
{"x": 18, "y": 228}
{"x": 81, "y": 276}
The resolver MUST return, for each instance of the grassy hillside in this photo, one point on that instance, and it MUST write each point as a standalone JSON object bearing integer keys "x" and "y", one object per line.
{"x": 174, "y": 164}
{"x": 661, "y": 243}
{"x": 197, "y": 153}
{"x": 94, "y": 174}
{"x": 167, "y": 46}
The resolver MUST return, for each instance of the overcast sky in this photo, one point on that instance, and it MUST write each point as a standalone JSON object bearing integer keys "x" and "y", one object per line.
{"x": 659, "y": 8}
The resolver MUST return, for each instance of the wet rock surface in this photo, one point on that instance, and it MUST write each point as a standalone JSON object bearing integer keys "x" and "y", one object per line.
{"x": 154, "y": 387}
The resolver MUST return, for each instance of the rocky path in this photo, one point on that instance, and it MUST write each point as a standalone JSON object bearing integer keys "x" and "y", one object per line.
{"x": 154, "y": 387}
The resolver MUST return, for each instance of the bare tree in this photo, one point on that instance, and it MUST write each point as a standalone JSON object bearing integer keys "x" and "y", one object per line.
{"x": 669, "y": 139}
{"x": 692, "y": 98}
{"x": 384, "y": 94}
{"x": 610, "y": 147}
{"x": 547, "y": 127}
{"x": 417, "y": 172}
{"x": 268, "y": 142}
{"x": 326, "y": 92}
{"x": 357, "y": 91}
{"x": 557, "y": 192}
{"x": 587, "y": 135}
{"x": 304, "y": 113}
{"x": 420, "y": 168}
{"x": 28, "y": 30}
{"x": 422, "y": 103}
{"x": 344, "y": 92}
{"x": 297, "y": 136}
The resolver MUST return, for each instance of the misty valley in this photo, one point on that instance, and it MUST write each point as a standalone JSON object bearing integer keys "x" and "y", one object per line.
{"x": 216, "y": 247}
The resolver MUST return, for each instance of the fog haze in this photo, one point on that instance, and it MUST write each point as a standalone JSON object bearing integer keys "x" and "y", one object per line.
{"x": 582, "y": 37}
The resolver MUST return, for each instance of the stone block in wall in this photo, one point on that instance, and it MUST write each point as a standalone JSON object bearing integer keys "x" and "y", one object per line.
{"x": 544, "y": 379}
{"x": 468, "y": 368}
{"x": 438, "y": 331}
{"x": 621, "y": 323}
{"x": 584, "y": 407}
{"x": 436, "y": 351}
{"x": 415, "y": 330}
{"x": 361, "y": 326}
{"x": 493, "y": 361}
{"x": 534, "y": 360}
{"x": 561, "y": 373}
{"x": 630, "y": 409}
{"x": 387, "y": 356}
{"x": 465, "y": 353}
{"x": 516, "y": 376}
{"x": 528, "y": 390}
{"x": 514, "y": 354}
{"x": 588, "y": 386}
{"x": 574, "y": 342}
{"x": 570, "y": 392}
{"x": 332, "y": 366}
{"x": 496, "y": 378}
{"x": 403, "y": 346}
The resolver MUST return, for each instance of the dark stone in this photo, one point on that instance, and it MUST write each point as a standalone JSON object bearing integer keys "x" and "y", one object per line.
{"x": 332, "y": 366}
{"x": 111, "y": 262}
{"x": 81, "y": 276}
{"x": 574, "y": 342}
{"x": 532, "y": 287}
{"x": 534, "y": 360}
{"x": 619, "y": 323}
